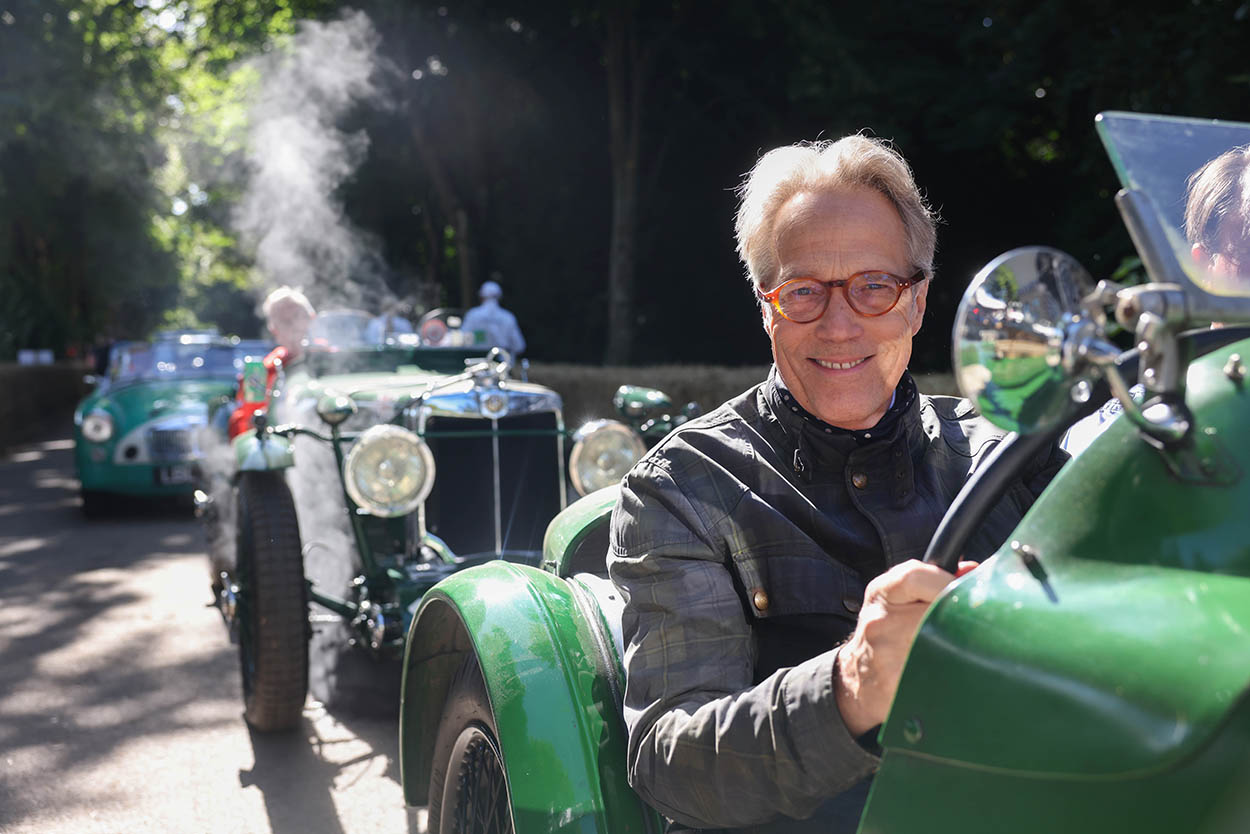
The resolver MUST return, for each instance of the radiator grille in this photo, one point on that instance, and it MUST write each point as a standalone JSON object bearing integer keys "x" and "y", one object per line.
{"x": 170, "y": 445}
{"x": 461, "y": 508}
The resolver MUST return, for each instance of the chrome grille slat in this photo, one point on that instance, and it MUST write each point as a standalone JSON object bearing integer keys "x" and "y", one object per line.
{"x": 170, "y": 445}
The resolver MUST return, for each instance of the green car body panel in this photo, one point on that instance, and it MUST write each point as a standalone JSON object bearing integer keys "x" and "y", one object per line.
{"x": 575, "y": 525}
{"x": 1106, "y": 685}
{"x": 550, "y": 676}
{"x": 122, "y": 463}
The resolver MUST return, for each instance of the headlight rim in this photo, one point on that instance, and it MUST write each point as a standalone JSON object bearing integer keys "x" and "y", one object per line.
{"x": 370, "y": 437}
{"x": 594, "y": 427}
{"x": 97, "y": 417}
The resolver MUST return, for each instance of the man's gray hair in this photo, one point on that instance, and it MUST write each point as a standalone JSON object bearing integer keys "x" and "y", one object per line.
{"x": 283, "y": 297}
{"x": 813, "y": 167}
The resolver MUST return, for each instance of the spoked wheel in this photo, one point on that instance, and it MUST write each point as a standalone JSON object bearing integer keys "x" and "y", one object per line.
{"x": 271, "y": 604}
{"x": 468, "y": 785}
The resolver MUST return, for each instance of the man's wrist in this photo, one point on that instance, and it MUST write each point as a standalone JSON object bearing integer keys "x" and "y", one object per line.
{"x": 846, "y": 692}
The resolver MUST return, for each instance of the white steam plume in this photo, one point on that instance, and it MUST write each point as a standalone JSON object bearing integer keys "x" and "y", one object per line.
{"x": 299, "y": 157}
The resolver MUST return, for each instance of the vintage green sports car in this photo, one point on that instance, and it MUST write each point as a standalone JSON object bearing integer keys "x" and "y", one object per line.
{"x": 1092, "y": 676}
{"x": 374, "y": 471}
{"x": 139, "y": 432}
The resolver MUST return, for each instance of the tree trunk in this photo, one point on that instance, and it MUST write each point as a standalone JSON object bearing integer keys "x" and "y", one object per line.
{"x": 626, "y": 71}
{"x": 452, "y": 208}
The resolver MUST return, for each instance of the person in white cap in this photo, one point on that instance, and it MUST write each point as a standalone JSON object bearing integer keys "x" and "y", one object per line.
{"x": 491, "y": 324}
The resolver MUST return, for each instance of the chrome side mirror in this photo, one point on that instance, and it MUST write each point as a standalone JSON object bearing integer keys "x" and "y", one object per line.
{"x": 1010, "y": 333}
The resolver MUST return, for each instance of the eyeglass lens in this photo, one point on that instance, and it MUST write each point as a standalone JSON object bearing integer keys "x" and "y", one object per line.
{"x": 868, "y": 293}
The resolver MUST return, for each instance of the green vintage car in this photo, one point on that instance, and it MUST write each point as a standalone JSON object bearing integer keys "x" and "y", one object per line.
{"x": 377, "y": 469}
{"x": 1092, "y": 676}
{"x": 140, "y": 431}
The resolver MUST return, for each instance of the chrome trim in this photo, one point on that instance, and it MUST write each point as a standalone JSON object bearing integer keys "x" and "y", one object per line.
{"x": 564, "y": 475}
{"x": 141, "y": 439}
{"x": 466, "y": 399}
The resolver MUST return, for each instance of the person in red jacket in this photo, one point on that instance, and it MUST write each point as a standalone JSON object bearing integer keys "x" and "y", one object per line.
{"x": 288, "y": 313}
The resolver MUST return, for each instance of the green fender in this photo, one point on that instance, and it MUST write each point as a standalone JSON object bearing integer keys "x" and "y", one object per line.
{"x": 255, "y": 454}
{"x": 574, "y": 527}
{"x": 553, "y": 682}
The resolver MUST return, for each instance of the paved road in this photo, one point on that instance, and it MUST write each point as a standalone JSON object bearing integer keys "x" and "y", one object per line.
{"x": 119, "y": 691}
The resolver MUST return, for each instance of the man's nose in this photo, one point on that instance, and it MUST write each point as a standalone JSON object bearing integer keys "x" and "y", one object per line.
{"x": 840, "y": 322}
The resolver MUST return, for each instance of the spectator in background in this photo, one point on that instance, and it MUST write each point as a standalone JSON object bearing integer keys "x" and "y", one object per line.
{"x": 491, "y": 324}
{"x": 288, "y": 314}
{"x": 393, "y": 319}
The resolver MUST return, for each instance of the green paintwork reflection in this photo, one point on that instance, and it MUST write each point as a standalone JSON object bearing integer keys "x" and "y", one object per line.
{"x": 1115, "y": 672}
{"x": 560, "y": 730}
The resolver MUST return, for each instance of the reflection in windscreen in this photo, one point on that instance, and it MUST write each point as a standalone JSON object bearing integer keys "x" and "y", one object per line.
{"x": 1197, "y": 175}
{"x": 1217, "y": 220}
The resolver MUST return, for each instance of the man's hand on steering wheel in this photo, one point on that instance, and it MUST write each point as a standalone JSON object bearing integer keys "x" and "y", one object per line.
{"x": 871, "y": 661}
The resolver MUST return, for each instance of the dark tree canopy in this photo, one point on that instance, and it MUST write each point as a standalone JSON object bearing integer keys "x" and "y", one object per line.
{"x": 584, "y": 155}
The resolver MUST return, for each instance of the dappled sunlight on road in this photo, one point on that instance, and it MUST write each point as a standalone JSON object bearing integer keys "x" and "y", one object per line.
{"x": 121, "y": 706}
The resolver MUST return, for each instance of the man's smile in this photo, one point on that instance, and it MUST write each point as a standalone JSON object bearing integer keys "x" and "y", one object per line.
{"x": 841, "y": 366}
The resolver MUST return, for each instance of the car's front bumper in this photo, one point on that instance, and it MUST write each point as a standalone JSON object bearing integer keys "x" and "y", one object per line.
{"x": 148, "y": 479}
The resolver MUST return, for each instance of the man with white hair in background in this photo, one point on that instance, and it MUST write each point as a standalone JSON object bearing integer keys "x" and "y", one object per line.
{"x": 491, "y": 324}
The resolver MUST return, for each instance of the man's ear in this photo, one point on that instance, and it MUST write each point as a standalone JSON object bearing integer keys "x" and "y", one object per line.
{"x": 766, "y": 315}
{"x": 920, "y": 299}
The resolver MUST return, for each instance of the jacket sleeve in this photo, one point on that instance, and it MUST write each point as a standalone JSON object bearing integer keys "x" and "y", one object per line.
{"x": 708, "y": 747}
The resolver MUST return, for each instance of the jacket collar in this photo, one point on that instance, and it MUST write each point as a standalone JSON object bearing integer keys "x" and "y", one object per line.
{"x": 807, "y": 438}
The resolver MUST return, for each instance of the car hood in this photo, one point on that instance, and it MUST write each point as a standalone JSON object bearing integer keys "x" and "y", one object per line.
{"x": 143, "y": 401}
{"x": 378, "y": 392}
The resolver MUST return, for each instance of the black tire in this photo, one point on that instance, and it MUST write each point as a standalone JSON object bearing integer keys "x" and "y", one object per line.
{"x": 95, "y": 504}
{"x": 272, "y": 604}
{"x": 468, "y": 785}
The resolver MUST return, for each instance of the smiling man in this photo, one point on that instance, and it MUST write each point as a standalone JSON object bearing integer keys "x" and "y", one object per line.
{"x": 767, "y": 551}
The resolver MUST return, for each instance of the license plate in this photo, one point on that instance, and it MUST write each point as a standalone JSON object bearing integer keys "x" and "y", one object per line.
{"x": 177, "y": 474}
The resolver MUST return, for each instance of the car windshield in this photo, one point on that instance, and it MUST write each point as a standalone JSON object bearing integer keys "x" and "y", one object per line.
{"x": 1196, "y": 174}
{"x": 339, "y": 329}
{"x": 139, "y": 361}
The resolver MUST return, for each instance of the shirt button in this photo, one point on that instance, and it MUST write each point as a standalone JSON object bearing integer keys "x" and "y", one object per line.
{"x": 860, "y": 480}
{"x": 759, "y": 599}
{"x": 853, "y": 604}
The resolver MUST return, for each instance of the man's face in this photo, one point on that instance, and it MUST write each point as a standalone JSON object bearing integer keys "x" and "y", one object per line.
{"x": 1229, "y": 258}
{"x": 288, "y": 324}
{"x": 843, "y": 367}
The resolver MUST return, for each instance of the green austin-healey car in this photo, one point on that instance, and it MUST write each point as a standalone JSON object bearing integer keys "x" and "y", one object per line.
{"x": 377, "y": 468}
{"x": 140, "y": 432}
{"x": 1092, "y": 676}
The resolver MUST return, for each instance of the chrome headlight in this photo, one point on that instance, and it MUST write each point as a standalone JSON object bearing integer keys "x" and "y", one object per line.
{"x": 389, "y": 471}
{"x": 603, "y": 451}
{"x": 97, "y": 426}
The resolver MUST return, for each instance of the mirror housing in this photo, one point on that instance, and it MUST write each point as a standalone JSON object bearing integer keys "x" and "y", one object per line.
{"x": 1009, "y": 337}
